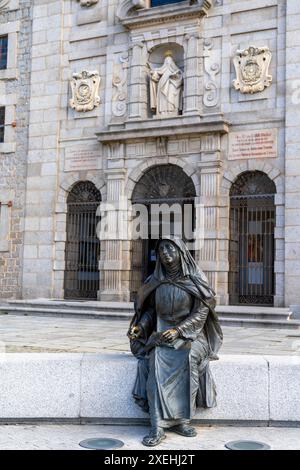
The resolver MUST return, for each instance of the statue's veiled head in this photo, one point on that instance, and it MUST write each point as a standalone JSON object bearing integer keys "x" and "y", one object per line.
{"x": 168, "y": 253}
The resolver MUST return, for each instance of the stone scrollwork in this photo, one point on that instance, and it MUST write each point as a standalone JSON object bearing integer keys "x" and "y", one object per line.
{"x": 119, "y": 104}
{"x": 87, "y": 3}
{"x": 128, "y": 6}
{"x": 252, "y": 69}
{"x": 3, "y": 4}
{"x": 212, "y": 69}
{"x": 85, "y": 89}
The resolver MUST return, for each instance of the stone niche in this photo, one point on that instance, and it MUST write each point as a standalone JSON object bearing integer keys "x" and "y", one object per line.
{"x": 165, "y": 80}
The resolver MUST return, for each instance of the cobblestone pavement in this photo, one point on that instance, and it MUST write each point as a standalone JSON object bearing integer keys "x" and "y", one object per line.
{"x": 52, "y": 334}
{"x": 59, "y": 437}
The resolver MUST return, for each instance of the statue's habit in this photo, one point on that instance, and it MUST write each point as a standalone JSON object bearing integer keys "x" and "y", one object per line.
{"x": 174, "y": 334}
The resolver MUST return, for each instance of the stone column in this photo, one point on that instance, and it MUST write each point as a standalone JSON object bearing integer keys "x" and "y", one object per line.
{"x": 193, "y": 72}
{"x": 115, "y": 253}
{"x": 292, "y": 156}
{"x": 138, "y": 102}
{"x": 214, "y": 265}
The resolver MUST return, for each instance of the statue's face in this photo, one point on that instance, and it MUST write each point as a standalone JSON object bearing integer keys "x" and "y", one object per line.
{"x": 168, "y": 253}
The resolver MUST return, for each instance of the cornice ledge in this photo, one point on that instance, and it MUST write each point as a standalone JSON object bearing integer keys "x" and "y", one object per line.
{"x": 149, "y": 129}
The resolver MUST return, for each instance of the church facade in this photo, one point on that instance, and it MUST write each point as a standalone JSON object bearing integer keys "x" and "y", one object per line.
{"x": 115, "y": 110}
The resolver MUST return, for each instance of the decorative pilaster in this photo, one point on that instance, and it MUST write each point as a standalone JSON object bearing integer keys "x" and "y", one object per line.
{"x": 138, "y": 103}
{"x": 115, "y": 255}
{"x": 209, "y": 256}
{"x": 193, "y": 66}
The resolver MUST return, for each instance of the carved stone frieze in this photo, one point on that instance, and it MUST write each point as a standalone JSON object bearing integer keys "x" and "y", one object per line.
{"x": 162, "y": 146}
{"x": 85, "y": 89}
{"x": 212, "y": 69}
{"x": 87, "y": 3}
{"x": 119, "y": 102}
{"x": 252, "y": 69}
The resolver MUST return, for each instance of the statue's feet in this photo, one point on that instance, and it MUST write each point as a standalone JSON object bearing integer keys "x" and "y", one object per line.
{"x": 154, "y": 438}
{"x": 184, "y": 430}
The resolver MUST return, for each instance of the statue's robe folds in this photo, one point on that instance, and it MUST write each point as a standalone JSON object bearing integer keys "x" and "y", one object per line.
{"x": 173, "y": 379}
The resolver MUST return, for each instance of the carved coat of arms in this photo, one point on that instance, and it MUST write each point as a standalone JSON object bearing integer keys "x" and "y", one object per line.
{"x": 252, "y": 69}
{"x": 85, "y": 89}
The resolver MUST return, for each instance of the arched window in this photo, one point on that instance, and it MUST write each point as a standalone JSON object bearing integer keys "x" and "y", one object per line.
{"x": 251, "y": 247}
{"x": 82, "y": 243}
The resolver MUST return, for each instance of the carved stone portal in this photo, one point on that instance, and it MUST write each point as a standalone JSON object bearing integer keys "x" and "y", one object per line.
{"x": 85, "y": 89}
{"x": 252, "y": 69}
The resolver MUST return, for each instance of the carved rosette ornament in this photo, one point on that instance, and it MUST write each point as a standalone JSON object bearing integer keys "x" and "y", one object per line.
{"x": 87, "y": 3}
{"x": 252, "y": 69}
{"x": 85, "y": 89}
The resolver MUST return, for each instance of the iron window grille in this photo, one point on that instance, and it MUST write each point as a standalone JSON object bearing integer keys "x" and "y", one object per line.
{"x": 2, "y": 124}
{"x": 158, "y": 3}
{"x": 3, "y": 52}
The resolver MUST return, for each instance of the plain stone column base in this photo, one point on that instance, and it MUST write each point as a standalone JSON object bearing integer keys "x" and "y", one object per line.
{"x": 113, "y": 296}
{"x": 295, "y": 312}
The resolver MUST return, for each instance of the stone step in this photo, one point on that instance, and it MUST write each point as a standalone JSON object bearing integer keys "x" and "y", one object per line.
{"x": 75, "y": 307}
{"x": 254, "y": 315}
{"x": 260, "y": 323}
{"x": 64, "y": 312}
{"x": 229, "y": 315}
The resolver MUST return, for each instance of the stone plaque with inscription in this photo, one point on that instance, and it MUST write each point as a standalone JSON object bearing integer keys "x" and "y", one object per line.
{"x": 253, "y": 144}
{"x": 82, "y": 159}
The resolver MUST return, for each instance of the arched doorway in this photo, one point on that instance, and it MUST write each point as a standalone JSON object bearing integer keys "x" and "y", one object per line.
{"x": 82, "y": 244}
{"x": 161, "y": 186}
{"x": 251, "y": 247}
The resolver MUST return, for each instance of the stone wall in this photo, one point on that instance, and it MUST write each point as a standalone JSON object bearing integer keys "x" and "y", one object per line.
{"x": 93, "y": 39}
{"x": 14, "y": 94}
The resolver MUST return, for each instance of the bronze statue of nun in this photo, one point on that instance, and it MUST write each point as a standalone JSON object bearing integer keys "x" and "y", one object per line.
{"x": 174, "y": 334}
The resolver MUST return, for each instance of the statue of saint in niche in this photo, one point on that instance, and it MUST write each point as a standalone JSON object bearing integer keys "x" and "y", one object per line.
{"x": 166, "y": 88}
{"x": 174, "y": 334}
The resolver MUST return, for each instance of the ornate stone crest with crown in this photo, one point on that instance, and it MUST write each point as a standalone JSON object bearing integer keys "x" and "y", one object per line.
{"x": 252, "y": 69}
{"x": 85, "y": 89}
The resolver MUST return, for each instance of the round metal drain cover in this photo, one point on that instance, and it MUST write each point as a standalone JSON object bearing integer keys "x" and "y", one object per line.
{"x": 101, "y": 443}
{"x": 247, "y": 445}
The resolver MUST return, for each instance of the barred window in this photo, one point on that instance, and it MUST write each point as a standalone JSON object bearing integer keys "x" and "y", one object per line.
{"x": 157, "y": 3}
{"x": 3, "y": 52}
{"x": 2, "y": 123}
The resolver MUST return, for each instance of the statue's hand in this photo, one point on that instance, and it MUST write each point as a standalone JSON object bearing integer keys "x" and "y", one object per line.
{"x": 134, "y": 332}
{"x": 170, "y": 335}
{"x": 154, "y": 76}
